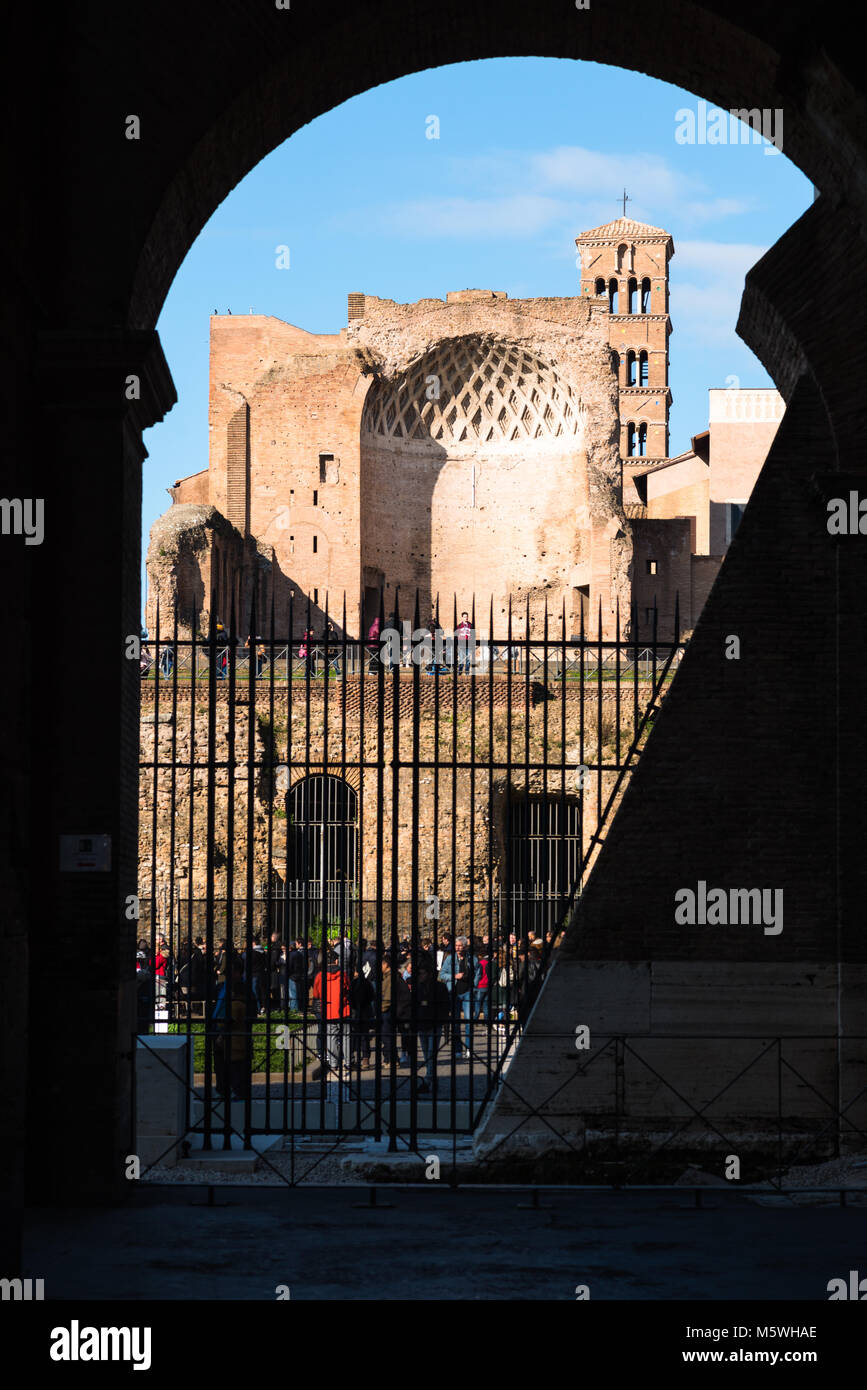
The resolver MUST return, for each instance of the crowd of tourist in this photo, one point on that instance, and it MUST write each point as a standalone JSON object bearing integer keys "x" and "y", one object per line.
{"x": 323, "y": 652}
{"x": 396, "y": 998}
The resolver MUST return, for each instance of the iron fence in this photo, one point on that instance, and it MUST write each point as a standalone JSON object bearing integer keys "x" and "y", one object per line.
{"x": 517, "y": 912}
{"x": 661, "y": 1110}
{"x": 377, "y": 865}
{"x": 185, "y": 661}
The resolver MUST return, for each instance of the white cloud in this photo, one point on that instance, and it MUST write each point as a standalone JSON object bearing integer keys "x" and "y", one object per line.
{"x": 563, "y": 189}
{"x": 716, "y": 207}
{"x": 648, "y": 178}
{"x": 709, "y": 303}
{"x": 707, "y": 313}
{"x": 720, "y": 258}
{"x": 522, "y": 214}
{"x": 569, "y": 188}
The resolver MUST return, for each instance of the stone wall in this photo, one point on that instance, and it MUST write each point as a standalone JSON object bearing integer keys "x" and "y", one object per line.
{"x": 490, "y": 452}
{"x": 739, "y": 786}
{"x": 195, "y": 555}
{"x": 329, "y": 451}
{"x": 450, "y": 830}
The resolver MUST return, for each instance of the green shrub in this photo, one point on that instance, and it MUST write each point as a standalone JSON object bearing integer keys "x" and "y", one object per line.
{"x": 267, "y": 1056}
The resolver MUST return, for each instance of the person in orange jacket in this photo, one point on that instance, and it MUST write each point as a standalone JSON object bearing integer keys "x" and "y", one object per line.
{"x": 331, "y": 1001}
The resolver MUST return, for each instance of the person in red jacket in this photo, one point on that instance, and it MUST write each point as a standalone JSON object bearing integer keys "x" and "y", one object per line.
{"x": 465, "y": 647}
{"x": 330, "y": 996}
{"x": 162, "y": 965}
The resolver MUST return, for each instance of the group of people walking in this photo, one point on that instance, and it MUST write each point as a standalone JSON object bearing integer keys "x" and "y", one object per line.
{"x": 321, "y": 654}
{"x": 395, "y": 1001}
{"x": 445, "y": 652}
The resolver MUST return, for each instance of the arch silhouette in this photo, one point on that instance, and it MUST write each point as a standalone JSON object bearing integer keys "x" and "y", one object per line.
{"x": 703, "y": 48}
{"x": 237, "y": 87}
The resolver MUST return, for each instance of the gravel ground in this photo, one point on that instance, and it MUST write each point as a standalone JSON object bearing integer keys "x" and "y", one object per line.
{"x": 273, "y": 1170}
{"x": 849, "y": 1173}
{"x": 350, "y": 1165}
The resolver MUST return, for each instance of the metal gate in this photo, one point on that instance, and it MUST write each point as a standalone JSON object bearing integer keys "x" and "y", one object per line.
{"x": 354, "y": 872}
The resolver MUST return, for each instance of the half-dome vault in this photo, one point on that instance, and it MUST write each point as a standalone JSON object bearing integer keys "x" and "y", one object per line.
{"x": 475, "y": 477}
{"x": 472, "y": 392}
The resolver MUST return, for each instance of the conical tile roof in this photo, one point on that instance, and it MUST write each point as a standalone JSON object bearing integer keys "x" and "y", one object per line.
{"x": 623, "y": 227}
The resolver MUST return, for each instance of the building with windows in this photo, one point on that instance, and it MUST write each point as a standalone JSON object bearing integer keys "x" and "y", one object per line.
{"x": 683, "y": 511}
{"x": 687, "y": 509}
{"x": 472, "y": 453}
{"x": 471, "y": 449}
{"x": 625, "y": 265}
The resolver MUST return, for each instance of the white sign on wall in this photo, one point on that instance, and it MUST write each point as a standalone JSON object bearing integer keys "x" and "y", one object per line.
{"x": 85, "y": 854}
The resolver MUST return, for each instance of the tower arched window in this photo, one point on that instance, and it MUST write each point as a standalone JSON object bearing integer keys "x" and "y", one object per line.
{"x": 630, "y": 368}
{"x": 600, "y": 286}
{"x": 632, "y": 293}
{"x": 645, "y": 295}
{"x": 621, "y": 256}
{"x": 630, "y": 440}
{"x": 612, "y": 295}
{"x": 643, "y": 369}
{"x": 642, "y": 440}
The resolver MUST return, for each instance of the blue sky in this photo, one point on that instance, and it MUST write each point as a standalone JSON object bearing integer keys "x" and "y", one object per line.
{"x": 531, "y": 151}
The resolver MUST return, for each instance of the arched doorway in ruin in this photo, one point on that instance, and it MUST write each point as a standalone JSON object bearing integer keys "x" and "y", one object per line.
{"x": 322, "y": 846}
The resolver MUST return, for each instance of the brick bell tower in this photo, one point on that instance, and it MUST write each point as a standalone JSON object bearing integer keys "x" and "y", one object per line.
{"x": 625, "y": 263}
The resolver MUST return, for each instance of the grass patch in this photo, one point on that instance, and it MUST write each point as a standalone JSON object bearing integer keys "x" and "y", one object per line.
{"x": 267, "y": 1056}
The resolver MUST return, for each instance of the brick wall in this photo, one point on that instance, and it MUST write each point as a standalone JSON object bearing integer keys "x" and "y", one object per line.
{"x": 683, "y": 489}
{"x": 738, "y": 787}
{"x": 668, "y": 546}
{"x": 453, "y": 825}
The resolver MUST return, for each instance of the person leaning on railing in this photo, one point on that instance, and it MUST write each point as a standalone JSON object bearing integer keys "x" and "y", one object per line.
{"x": 167, "y": 661}
{"x": 307, "y": 653}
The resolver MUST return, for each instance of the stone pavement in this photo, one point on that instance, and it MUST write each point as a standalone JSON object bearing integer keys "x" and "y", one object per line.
{"x": 441, "y": 1244}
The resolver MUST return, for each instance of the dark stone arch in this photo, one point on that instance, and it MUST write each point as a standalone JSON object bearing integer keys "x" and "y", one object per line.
{"x": 273, "y": 78}
{"x": 93, "y": 256}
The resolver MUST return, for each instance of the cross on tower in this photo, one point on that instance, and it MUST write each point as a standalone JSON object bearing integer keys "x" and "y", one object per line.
{"x": 625, "y": 201}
